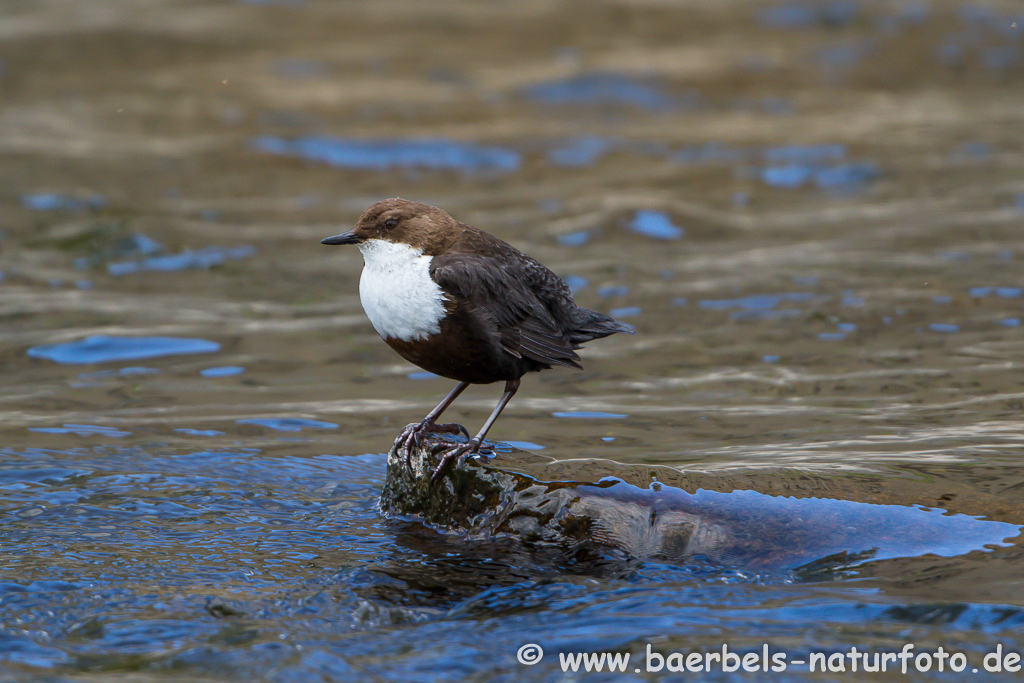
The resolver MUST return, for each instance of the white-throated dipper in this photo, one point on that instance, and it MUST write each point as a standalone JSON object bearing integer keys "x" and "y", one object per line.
{"x": 464, "y": 305}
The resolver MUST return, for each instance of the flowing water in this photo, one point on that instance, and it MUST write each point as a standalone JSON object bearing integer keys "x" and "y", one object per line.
{"x": 811, "y": 212}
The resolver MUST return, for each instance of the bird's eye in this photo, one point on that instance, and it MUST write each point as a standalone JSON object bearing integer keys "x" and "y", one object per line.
{"x": 390, "y": 223}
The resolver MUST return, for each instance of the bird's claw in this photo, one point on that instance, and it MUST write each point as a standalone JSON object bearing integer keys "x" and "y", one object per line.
{"x": 445, "y": 461}
{"x": 458, "y": 452}
{"x": 409, "y": 439}
{"x": 436, "y": 448}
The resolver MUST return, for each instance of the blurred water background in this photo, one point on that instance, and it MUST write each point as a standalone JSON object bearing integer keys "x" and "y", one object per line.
{"x": 810, "y": 211}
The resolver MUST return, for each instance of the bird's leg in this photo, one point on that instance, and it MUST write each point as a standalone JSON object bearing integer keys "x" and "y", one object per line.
{"x": 410, "y": 436}
{"x": 511, "y": 387}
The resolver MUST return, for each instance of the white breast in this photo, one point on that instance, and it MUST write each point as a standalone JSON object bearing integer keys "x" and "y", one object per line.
{"x": 397, "y": 293}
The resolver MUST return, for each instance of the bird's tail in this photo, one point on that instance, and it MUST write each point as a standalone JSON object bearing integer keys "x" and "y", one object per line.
{"x": 593, "y": 325}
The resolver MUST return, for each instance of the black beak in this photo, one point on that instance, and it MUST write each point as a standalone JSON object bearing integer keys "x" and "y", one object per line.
{"x": 344, "y": 238}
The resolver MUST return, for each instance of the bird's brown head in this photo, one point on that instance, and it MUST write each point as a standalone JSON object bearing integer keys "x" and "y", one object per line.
{"x": 421, "y": 226}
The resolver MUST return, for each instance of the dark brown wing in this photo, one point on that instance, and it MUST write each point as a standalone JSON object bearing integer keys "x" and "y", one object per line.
{"x": 502, "y": 298}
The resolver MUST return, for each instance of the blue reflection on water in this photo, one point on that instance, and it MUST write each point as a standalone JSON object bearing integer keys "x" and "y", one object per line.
{"x": 380, "y": 155}
{"x": 580, "y": 152}
{"x": 198, "y": 258}
{"x": 287, "y": 424}
{"x": 843, "y": 177}
{"x": 99, "y": 374}
{"x": 590, "y": 415}
{"x": 104, "y": 349}
{"x": 199, "y": 432}
{"x": 755, "y": 302}
{"x": 774, "y": 314}
{"x": 222, "y": 371}
{"x": 574, "y": 239}
{"x": 524, "y": 445}
{"x": 1002, "y": 292}
{"x": 809, "y": 14}
{"x": 576, "y": 282}
{"x": 613, "y": 291}
{"x": 603, "y": 89}
{"x": 805, "y": 153}
{"x": 82, "y": 430}
{"x": 421, "y": 375}
{"x": 712, "y": 152}
{"x": 655, "y": 224}
{"x": 51, "y": 201}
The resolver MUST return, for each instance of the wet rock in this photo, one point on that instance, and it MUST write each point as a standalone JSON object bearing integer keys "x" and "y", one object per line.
{"x": 664, "y": 514}
{"x": 520, "y": 496}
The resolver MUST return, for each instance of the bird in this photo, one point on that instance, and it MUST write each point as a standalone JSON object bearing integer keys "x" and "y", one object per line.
{"x": 465, "y": 305}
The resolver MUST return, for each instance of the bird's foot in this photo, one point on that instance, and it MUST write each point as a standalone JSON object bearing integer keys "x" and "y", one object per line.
{"x": 458, "y": 452}
{"x": 409, "y": 439}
